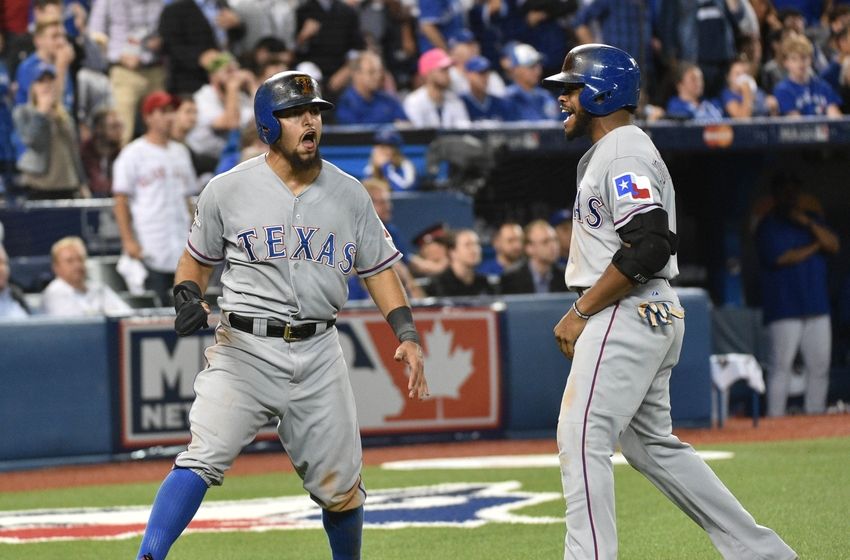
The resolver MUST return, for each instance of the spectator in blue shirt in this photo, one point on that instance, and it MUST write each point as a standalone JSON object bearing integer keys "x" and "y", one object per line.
{"x": 528, "y": 101}
{"x": 689, "y": 104}
{"x": 365, "y": 101}
{"x": 801, "y": 93}
{"x": 51, "y": 47}
{"x": 742, "y": 98}
{"x": 387, "y": 163}
{"x": 439, "y": 21}
{"x": 792, "y": 244}
{"x": 507, "y": 242}
{"x": 481, "y": 105}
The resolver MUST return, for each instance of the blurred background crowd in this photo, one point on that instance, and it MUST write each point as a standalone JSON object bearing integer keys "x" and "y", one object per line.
{"x": 74, "y": 73}
{"x": 142, "y": 101}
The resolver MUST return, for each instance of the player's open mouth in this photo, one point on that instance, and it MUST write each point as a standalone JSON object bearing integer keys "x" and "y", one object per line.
{"x": 569, "y": 114}
{"x": 309, "y": 140}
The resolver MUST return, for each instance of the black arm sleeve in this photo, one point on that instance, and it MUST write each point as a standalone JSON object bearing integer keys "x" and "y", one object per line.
{"x": 648, "y": 244}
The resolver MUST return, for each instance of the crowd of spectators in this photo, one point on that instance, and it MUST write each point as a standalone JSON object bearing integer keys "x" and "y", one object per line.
{"x": 73, "y": 71}
{"x": 144, "y": 100}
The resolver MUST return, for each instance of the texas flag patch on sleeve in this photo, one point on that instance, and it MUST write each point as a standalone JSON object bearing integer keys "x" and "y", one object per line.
{"x": 636, "y": 186}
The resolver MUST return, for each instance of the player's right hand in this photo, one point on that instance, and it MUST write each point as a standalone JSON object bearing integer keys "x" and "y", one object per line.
{"x": 191, "y": 308}
{"x": 411, "y": 353}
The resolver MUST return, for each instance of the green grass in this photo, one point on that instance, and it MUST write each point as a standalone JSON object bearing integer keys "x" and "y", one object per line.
{"x": 800, "y": 489}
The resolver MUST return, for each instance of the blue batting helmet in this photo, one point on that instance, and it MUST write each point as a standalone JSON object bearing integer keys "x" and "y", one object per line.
{"x": 610, "y": 76}
{"x": 283, "y": 91}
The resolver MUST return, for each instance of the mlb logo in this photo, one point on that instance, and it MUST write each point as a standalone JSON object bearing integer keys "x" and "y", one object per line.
{"x": 637, "y": 187}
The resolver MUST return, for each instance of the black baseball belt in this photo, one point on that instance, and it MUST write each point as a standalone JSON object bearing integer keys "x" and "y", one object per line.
{"x": 278, "y": 329}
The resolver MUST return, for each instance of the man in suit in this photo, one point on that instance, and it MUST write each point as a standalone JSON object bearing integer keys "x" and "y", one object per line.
{"x": 539, "y": 273}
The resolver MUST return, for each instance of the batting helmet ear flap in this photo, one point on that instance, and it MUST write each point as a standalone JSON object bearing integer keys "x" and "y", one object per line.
{"x": 282, "y": 91}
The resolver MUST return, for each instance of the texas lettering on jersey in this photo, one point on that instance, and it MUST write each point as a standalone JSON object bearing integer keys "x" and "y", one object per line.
{"x": 312, "y": 246}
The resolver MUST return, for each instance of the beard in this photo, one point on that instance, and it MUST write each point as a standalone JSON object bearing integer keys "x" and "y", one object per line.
{"x": 301, "y": 163}
{"x": 581, "y": 125}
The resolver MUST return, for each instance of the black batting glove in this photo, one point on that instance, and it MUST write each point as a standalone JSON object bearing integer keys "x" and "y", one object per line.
{"x": 188, "y": 303}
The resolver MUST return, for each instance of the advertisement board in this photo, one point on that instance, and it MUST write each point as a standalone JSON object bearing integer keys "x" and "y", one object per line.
{"x": 462, "y": 363}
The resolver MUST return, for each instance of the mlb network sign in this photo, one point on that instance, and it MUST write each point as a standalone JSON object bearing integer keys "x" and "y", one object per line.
{"x": 460, "y": 347}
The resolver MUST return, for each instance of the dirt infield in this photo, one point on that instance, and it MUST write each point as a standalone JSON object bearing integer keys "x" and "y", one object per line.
{"x": 736, "y": 430}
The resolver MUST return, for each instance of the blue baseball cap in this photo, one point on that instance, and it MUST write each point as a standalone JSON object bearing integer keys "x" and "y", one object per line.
{"x": 560, "y": 216}
{"x": 521, "y": 54}
{"x": 388, "y": 136}
{"x": 43, "y": 69}
{"x": 477, "y": 64}
{"x": 462, "y": 36}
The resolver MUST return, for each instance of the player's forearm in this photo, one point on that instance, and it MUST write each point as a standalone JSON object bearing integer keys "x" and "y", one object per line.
{"x": 190, "y": 269}
{"x": 611, "y": 287}
{"x": 386, "y": 291}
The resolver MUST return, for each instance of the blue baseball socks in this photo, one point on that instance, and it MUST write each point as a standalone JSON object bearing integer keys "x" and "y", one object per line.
{"x": 345, "y": 532}
{"x": 176, "y": 503}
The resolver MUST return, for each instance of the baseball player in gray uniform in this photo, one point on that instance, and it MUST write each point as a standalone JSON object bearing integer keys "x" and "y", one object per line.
{"x": 290, "y": 228}
{"x": 624, "y": 333}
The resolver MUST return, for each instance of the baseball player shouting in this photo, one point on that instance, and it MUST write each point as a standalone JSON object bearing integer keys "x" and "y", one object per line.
{"x": 624, "y": 333}
{"x": 290, "y": 228}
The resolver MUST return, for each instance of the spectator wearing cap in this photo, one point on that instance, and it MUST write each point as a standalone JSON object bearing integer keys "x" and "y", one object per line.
{"x": 50, "y": 164}
{"x": 432, "y": 253}
{"x": 153, "y": 182}
{"x": 365, "y": 101}
{"x": 51, "y": 49}
{"x": 439, "y": 21}
{"x": 327, "y": 32}
{"x": 388, "y": 163}
{"x": 539, "y": 273}
{"x": 433, "y": 104}
{"x": 129, "y": 28}
{"x": 562, "y": 221}
{"x": 463, "y": 48}
{"x": 688, "y": 103}
{"x": 528, "y": 100}
{"x": 507, "y": 242}
{"x": 480, "y": 104}
{"x": 801, "y": 93}
{"x": 224, "y": 104}
{"x": 193, "y": 33}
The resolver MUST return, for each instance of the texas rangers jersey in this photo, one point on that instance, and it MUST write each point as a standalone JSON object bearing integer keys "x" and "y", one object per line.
{"x": 622, "y": 175}
{"x": 288, "y": 257}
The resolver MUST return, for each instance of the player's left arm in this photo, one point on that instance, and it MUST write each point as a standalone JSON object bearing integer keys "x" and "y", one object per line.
{"x": 388, "y": 294}
{"x": 647, "y": 244}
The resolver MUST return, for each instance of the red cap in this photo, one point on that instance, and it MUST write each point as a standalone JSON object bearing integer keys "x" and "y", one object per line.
{"x": 158, "y": 100}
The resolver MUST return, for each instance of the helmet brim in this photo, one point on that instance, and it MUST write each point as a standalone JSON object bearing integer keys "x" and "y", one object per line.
{"x": 557, "y": 81}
